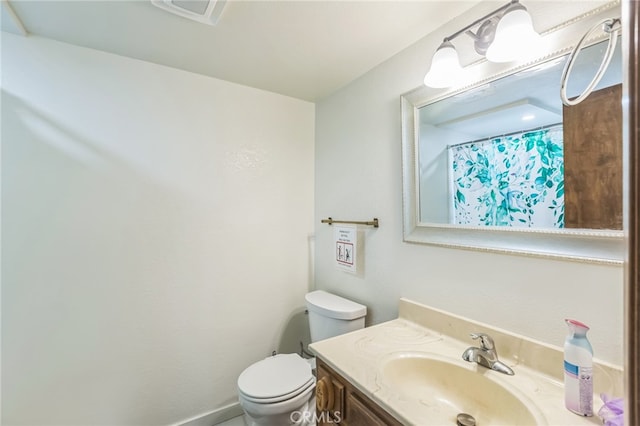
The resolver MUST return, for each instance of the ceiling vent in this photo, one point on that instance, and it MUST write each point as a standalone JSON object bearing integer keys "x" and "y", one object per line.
{"x": 204, "y": 11}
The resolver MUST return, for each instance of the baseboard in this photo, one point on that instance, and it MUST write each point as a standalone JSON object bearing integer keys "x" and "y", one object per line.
{"x": 214, "y": 417}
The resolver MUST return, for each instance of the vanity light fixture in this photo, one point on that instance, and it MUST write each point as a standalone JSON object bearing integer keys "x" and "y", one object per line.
{"x": 504, "y": 35}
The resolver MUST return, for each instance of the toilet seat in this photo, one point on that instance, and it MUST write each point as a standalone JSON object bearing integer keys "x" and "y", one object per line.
{"x": 279, "y": 412}
{"x": 275, "y": 379}
{"x": 281, "y": 398}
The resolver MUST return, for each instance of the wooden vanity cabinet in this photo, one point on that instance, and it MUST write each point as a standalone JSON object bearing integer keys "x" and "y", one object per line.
{"x": 339, "y": 402}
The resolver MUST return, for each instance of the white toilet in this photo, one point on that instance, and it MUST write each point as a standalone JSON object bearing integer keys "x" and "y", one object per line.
{"x": 280, "y": 390}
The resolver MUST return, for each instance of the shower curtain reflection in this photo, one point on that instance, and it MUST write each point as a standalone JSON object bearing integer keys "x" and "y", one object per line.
{"x": 515, "y": 180}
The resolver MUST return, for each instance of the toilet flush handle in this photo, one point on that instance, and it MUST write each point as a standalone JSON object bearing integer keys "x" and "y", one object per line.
{"x": 324, "y": 394}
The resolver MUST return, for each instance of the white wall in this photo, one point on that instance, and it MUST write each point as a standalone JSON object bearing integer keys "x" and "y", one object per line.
{"x": 358, "y": 133}
{"x": 435, "y": 184}
{"x": 156, "y": 235}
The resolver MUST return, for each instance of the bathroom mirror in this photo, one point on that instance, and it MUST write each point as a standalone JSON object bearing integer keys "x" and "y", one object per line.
{"x": 501, "y": 165}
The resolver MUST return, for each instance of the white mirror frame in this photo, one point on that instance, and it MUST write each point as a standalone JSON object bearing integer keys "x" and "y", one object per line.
{"x": 594, "y": 246}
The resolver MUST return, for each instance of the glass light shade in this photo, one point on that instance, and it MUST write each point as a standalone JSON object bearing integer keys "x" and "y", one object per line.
{"x": 515, "y": 37}
{"x": 445, "y": 68}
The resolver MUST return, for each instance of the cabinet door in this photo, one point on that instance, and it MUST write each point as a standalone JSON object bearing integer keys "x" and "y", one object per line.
{"x": 330, "y": 396}
{"x": 593, "y": 161}
{"x": 358, "y": 412}
{"x": 344, "y": 404}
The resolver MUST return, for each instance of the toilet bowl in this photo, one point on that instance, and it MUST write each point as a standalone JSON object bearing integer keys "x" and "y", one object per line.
{"x": 277, "y": 391}
{"x": 280, "y": 390}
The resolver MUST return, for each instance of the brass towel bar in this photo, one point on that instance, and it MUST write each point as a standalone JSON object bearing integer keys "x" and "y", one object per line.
{"x": 373, "y": 223}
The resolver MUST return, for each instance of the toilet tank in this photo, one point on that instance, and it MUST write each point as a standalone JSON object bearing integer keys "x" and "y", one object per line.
{"x": 331, "y": 315}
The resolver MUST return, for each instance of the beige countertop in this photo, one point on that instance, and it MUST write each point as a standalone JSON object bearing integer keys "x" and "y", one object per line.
{"x": 420, "y": 330}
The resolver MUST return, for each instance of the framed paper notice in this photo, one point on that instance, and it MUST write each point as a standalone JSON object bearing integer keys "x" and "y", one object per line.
{"x": 346, "y": 242}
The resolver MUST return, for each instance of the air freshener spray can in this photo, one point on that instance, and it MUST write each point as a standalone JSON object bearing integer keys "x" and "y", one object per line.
{"x": 578, "y": 369}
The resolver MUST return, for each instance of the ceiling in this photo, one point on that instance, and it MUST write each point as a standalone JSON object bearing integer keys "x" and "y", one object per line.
{"x": 306, "y": 49}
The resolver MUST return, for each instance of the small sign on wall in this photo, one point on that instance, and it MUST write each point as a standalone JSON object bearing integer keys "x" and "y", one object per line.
{"x": 346, "y": 243}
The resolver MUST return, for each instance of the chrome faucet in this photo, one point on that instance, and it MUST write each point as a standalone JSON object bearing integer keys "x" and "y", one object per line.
{"x": 486, "y": 354}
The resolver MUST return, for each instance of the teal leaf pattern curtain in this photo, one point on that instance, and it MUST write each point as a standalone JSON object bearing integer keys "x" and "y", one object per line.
{"x": 515, "y": 180}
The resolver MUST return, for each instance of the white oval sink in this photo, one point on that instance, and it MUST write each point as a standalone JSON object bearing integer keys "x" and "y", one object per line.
{"x": 449, "y": 388}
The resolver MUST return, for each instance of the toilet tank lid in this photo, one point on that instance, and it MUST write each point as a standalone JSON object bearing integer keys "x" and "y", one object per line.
{"x": 333, "y": 306}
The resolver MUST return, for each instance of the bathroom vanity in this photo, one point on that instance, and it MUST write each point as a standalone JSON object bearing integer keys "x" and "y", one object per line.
{"x": 410, "y": 371}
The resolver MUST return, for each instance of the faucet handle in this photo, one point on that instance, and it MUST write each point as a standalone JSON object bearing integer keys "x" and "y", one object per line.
{"x": 486, "y": 342}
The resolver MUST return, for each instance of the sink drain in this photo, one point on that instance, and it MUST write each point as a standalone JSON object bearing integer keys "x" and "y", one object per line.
{"x": 464, "y": 419}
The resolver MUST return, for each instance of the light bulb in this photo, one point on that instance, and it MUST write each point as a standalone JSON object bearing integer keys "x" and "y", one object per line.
{"x": 515, "y": 37}
{"x": 445, "y": 68}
